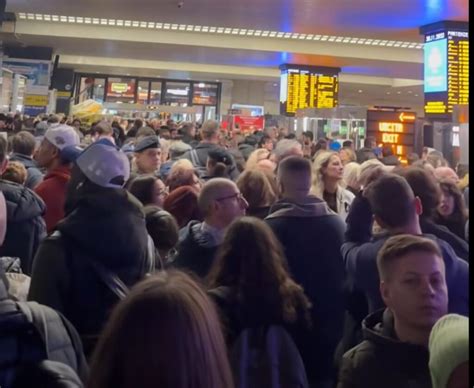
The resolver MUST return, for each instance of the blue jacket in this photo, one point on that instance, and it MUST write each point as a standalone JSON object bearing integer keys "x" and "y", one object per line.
{"x": 360, "y": 258}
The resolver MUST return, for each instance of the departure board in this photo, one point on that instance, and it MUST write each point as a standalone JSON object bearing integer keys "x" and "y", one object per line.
{"x": 307, "y": 87}
{"x": 446, "y": 65}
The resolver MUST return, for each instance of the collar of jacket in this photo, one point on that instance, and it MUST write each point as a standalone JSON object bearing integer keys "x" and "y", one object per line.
{"x": 62, "y": 172}
{"x": 311, "y": 206}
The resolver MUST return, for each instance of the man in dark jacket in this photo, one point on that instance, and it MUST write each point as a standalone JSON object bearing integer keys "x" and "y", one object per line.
{"x": 394, "y": 352}
{"x": 395, "y": 208}
{"x": 23, "y": 148}
{"x": 210, "y": 140}
{"x": 367, "y": 151}
{"x": 220, "y": 202}
{"x": 104, "y": 227}
{"x": 25, "y": 226}
{"x": 388, "y": 158}
{"x": 312, "y": 235}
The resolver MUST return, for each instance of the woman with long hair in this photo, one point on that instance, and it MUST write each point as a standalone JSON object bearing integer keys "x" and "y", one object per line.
{"x": 250, "y": 283}
{"x": 149, "y": 190}
{"x": 452, "y": 211}
{"x": 328, "y": 173}
{"x": 166, "y": 334}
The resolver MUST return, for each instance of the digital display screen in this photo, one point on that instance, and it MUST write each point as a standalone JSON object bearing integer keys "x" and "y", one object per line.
{"x": 435, "y": 60}
{"x": 446, "y": 77}
{"x": 396, "y": 129}
{"x": 307, "y": 87}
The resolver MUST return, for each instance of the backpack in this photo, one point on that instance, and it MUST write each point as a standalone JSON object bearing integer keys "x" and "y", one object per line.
{"x": 200, "y": 169}
{"x": 29, "y": 334}
{"x": 267, "y": 357}
{"x": 264, "y": 356}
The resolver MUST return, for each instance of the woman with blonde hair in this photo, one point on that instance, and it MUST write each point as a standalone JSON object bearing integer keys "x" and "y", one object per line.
{"x": 183, "y": 174}
{"x": 165, "y": 333}
{"x": 327, "y": 182}
{"x": 351, "y": 176}
{"x": 259, "y": 188}
{"x": 260, "y": 158}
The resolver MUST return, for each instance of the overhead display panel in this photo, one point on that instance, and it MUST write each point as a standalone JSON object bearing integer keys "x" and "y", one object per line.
{"x": 446, "y": 68}
{"x": 304, "y": 87}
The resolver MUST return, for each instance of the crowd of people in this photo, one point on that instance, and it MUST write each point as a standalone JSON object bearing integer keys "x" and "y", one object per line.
{"x": 158, "y": 254}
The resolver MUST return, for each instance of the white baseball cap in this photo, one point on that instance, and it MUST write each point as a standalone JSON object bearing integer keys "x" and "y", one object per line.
{"x": 62, "y": 136}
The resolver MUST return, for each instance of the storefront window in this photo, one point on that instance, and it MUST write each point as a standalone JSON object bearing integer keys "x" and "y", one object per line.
{"x": 177, "y": 93}
{"x": 155, "y": 93}
{"x": 142, "y": 93}
{"x": 204, "y": 94}
{"x": 121, "y": 90}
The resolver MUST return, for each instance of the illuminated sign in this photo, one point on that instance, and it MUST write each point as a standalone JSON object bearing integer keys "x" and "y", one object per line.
{"x": 118, "y": 87}
{"x": 307, "y": 87}
{"x": 436, "y": 58}
{"x": 446, "y": 64}
{"x": 396, "y": 129}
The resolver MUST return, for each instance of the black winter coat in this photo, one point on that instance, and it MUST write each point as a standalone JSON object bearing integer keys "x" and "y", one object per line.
{"x": 381, "y": 360}
{"x": 312, "y": 235}
{"x": 108, "y": 227}
{"x": 25, "y": 224}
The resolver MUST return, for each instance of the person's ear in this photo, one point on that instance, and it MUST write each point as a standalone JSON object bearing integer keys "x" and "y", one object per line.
{"x": 379, "y": 222}
{"x": 418, "y": 206}
{"x": 385, "y": 292}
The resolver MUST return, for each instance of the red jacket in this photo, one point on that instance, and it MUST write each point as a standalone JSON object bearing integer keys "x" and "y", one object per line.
{"x": 53, "y": 192}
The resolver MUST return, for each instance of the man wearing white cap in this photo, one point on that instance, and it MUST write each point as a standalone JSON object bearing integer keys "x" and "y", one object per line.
{"x": 104, "y": 227}
{"x": 59, "y": 148}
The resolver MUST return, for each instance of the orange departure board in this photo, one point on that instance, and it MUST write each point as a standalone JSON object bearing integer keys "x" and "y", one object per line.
{"x": 446, "y": 64}
{"x": 307, "y": 87}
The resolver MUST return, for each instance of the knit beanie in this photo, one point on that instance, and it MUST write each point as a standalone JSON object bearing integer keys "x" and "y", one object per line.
{"x": 449, "y": 347}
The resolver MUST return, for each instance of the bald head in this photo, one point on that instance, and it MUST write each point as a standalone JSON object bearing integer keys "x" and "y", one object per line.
{"x": 212, "y": 190}
{"x": 294, "y": 175}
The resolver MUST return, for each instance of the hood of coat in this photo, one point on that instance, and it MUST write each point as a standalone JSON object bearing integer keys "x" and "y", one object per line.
{"x": 22, "y": 203}
{"x": 311, "y": 206}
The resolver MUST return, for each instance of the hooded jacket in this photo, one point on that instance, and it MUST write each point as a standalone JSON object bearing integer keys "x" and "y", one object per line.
{"x": 196, "y": 249}
{"x": 34, "y": 175}
{"x": 382, "y": 360}
{"x": 312, "y": 235}
{"x": 53, "y": 192}
{"x": 107, "y": 226}
{"x": 25, "y": 225}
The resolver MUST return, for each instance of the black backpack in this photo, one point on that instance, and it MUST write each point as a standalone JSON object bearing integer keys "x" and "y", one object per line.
{"x": 29, "y": 334}
{"x": 264, "y": 356}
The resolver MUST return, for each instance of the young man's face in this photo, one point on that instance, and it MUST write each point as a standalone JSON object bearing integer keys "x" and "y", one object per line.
{"x": 416, "y": 290}
{"x": 149, "y": 161}
{"x": 46, "y": 154}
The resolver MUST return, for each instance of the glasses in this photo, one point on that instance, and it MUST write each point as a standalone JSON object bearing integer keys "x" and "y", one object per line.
{"x": 236, "y": 195}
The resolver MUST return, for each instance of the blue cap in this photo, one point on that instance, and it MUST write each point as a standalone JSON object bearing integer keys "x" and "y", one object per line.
{"x": 335, "y": 146}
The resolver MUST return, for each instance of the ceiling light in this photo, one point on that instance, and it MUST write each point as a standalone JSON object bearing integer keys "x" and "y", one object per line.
{"x": 128, "y": 23}
{"x": 273, "y": 34}
{"x": 375, "y": 42}
{"x": 47, "y": 18}
{"x": 410, "y": 92}
{"x": 258, "y": 33}
{"x": 332, "y": 39}
{"x": 361, "y": 41}
{"x": 95, "y": 21}
{"x": 189, "y": 28}
{"x": 265, "y": 33}
{"x": 78, "y": 20}
{"x": 339, "y": 39}
{"x": 174, "y": 26}
{"x": 227, "y": 30}
{"x": 212, "y": 30}
{"x": 197, "y": 28}
{"x": 119, "y": 23}
{"x": 22, "y": 15}
{"x": 390, "y": 43}
{"x": 243, "y": 32}
{"x": 182, "y": 27}
{"x": 413, "y": 45}
{"x": 383, "y": 42}
{"x": 250, "y": 32}
{"x": 420, "y": 46}
{"x": 416, "y": 95}
{"x": 31, "y": 16}
{"x": 399, "y": 92}
{"x": 309, "y": 37}
{"x": 235, "y": 31}
{"x": 302, "y": 36}
{"x": 167, "y": 26}
{"x": 324, "y": 37}
{"x": 159, "y": 26}
{"x": 368, "y": 41}
{"x": 62, "y": 19}
{"x": 151, "y": 25}
{"x": 397, "y": 44}
{"x": 135, "y": 23}
{"x": 275, "y": 85}
{"x": 103, "y": 22}
{"x": 111, "y": 22}
{"x": 316, "y": 37}
{"x": 295, "y": 36}
{"x": 287, "y": 35}
{"x": 39, "y": 16}
{"x": 217, "y": 80}
{"x": 360, "y": 91}
{"x": 346, "y": 40}
{"x": 354, "y": 40}
{"x": 388, "y": 92}
{"x": 205, "y": 29}
{"x": 220, "y": 30}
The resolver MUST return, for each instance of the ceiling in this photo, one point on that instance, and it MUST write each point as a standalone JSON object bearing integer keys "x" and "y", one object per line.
{"x": 370, "y": 73}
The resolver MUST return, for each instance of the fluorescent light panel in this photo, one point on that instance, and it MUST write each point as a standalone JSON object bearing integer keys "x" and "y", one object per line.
{"x": 216, "y": 30}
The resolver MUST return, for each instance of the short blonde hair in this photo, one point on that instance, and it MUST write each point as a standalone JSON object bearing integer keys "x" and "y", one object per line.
{"x": 351, "y": 175}
{"x": 15, "y": 172}
{"x": 255, "y": 157}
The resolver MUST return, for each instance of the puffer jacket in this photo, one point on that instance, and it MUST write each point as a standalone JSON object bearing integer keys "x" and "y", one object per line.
{"x": 382, "y": 360}
{"x": 107, "y": 226}
{"x": 25, "y": 224}
{"x": 34, "y": 175}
